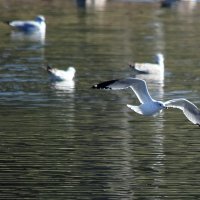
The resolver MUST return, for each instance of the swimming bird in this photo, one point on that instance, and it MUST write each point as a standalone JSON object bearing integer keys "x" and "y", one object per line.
{"x": 61, "y": 75}
{"x": 149, "y": 68}
{"x": 30, "y": 25}
{"x": 150, "y": 106}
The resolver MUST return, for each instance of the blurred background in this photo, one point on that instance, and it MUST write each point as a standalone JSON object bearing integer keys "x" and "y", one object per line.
{"x": 66, "y": 141}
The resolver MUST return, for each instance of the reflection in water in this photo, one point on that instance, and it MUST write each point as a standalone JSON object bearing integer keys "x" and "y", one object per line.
{"x": 183, "y": 6}
{"x": 28, "y": 42}
{"x": 21, "y": 80}
{"x": 95, "y": 4}
{"x": 158, "y": 165}
{"x": 155, "y": 84}
{"x": 36, "y": 36}
{"x": 186, "y": 7}
{"x": 159, "y": 35}
{"x": 156, "y": 79}
{"x": 59, "y": 142}
{"x": 65, "y": 86}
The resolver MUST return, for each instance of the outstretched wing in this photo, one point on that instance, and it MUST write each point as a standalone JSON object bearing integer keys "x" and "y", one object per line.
{"x": 137, "y": 85}
{"x": 189, "y": 109}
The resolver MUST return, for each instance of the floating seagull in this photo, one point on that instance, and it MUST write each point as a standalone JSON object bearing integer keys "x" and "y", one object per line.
{"x": 149, "y": 68}
{"x": 29, "y": 26}
{"x": 61, "y": 75}
{"x": 149, "y": 106}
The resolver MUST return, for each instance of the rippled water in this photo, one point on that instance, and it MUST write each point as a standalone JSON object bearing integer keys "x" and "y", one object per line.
{"x": 66, "y": 141}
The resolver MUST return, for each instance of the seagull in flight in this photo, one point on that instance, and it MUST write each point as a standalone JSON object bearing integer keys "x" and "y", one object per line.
{"x": 150, "y": 68}
{"x": 61, "y": 75}
{"x": 150, "y": 106}
{"x": 29, "y": 26}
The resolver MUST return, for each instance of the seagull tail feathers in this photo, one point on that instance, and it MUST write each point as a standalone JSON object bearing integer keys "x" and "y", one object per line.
{"x": 135, "y": 108}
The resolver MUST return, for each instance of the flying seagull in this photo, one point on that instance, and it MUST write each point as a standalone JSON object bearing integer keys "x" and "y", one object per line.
{"x": 29, "y": 25}
{"x": 150, "y": 68}
{"x": 61, "y": 75}
{"x": 149, "y": 106}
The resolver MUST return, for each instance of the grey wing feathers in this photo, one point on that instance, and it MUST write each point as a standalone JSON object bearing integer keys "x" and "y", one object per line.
{"x": 140, "y": 88}
{"x": 108, "y": 85}
{"x": 137, "y": 85}
{"x": 176, "y": 103}
{"x": 188, "y": 108}
{"x": 121, "y": 84}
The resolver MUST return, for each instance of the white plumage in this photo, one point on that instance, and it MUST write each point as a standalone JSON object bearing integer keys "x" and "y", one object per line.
{"x": 61, "y": 75}
{"x": 148, "y": 105}
{"x": 150, "y": 68}
{"x": 29, "y": 25}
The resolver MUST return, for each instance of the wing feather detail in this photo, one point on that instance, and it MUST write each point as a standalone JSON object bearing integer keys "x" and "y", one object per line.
{"x": 189, "y": 109}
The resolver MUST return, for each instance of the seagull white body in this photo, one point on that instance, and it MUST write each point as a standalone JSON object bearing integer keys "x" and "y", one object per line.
{"x": 61, "y": 75}
{"x": 29, "y": 26}
{"x": 150, "y": 68}
{"x": 149, "y": 106}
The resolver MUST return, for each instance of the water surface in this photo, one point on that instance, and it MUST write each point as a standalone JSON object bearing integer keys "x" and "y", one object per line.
{"x": 67, "y": 141}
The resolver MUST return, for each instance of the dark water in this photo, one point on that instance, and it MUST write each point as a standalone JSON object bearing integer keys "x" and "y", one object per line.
{"x": 67, "y": 141}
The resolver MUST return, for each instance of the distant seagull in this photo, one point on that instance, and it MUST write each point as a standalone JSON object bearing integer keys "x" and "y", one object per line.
{"x": 61, "y": 75}
{"x": 168, "y": 3}
{"x": 29, "y": 26}
{"x": 149, "y": 68}
{"x": 149, "y": 106}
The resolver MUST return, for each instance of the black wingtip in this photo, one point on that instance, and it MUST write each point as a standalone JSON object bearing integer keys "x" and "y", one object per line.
{"x": 104, "y": 85}
{"x": 99, "y": 86}
{"x": 94, "y": 87}
{"x": 49, "y": 68}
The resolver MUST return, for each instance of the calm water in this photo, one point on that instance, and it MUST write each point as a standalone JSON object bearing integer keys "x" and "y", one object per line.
{"x": 67, "y": 141}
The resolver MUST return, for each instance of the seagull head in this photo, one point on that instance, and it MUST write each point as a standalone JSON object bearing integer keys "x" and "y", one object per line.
{"x": 40, "y": 18}
{"x": 72, "y": 69}
{"x": 161, "y": 105}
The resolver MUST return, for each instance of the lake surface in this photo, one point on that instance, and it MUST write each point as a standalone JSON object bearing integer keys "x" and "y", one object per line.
{"x": 68, "y": 141}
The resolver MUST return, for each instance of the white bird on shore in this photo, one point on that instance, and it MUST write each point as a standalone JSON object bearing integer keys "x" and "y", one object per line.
{"x": 29, "y": 25}
{"x": 61, "y": 75}
{"x": 149, "y": 106}
{"x": 150, "y": 68}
